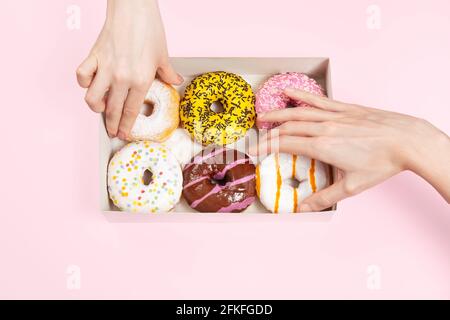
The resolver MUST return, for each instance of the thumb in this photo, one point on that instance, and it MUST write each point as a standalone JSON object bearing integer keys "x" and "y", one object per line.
{"x": 86, "y": 71}
{"x": 167, "y": 74}
{"x": 325, "y": 198}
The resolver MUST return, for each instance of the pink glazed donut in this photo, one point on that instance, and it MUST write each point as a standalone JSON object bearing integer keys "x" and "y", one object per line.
{"x": 270, "y": 95}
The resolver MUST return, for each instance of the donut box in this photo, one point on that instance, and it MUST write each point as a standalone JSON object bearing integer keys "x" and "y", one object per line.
{"x": 255, "y": 71}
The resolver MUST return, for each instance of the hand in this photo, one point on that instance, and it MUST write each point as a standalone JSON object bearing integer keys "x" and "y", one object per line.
{"x": 366, "y": 145}
{"x": 121, "y": 66}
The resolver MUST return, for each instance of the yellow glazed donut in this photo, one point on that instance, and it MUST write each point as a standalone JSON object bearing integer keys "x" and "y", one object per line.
{"x": 209, "y": 127}
{"x": 164, "y": 119}
{"x": 127, "y": 186}
{"x": 273, "y": 176}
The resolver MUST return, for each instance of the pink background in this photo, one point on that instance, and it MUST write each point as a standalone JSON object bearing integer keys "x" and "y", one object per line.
{"x": 49, "y": 189}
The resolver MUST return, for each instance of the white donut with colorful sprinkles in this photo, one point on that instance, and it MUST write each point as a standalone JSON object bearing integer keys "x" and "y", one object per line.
{"x": 129, "y": 190}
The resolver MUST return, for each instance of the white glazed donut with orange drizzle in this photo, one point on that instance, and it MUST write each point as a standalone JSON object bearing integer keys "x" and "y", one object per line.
{"x": 277, "y": 176}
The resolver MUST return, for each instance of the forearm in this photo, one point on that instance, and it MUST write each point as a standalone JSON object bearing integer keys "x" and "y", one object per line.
{"x": 118, "y": 10}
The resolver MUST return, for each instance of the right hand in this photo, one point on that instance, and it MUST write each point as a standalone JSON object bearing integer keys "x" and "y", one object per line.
{"x": 121, "y": 66}
{"x": 366, "y": 145}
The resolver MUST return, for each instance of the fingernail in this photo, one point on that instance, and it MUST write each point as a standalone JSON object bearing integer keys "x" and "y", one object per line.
{"x": 261, "y": 115}
{"x": 180, "y": 78}
{"x": 305, "y": 208}
{"x": 122, "y": 136}
{"x": 111, "y": 135}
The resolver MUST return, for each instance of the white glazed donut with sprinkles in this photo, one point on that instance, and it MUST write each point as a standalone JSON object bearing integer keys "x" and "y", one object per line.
{"x": 127, "y": 187}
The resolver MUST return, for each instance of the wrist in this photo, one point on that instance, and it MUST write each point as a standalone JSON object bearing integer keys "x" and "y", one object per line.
{"x": 428, "y": 145}
{"x": 429, "y": 158}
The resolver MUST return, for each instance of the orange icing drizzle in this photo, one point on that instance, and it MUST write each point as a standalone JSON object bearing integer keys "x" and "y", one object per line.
{"x": 294, "y": 163}
{"x": 312, "y": 176}
{"x": 295, "y": 200}
{"x": 258, "y": 181}
{"x": 277, "y": 196}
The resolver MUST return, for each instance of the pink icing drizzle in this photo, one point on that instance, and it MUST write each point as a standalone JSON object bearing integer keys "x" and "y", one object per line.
{"x": 195, "y": 181}
{"x": 238, "y": 205}
{"x": 220, "y": 175}
{"x": 217, "y": 188}
{"x": 200, "y": 159}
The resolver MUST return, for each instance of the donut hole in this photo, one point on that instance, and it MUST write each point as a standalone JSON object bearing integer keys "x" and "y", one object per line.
{"x": 147, "y": 177}
{"x": 220, "y": 182}
{"x": 294, "y": 183}
{"x": 217, "y": 107}
{"x": 147, "y": 108}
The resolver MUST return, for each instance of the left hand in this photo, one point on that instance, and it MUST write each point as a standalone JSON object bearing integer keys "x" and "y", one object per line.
{"x": 130, "y": 50}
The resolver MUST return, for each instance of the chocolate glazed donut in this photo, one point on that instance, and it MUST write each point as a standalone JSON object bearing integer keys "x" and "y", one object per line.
{"x": 219, "y": 180}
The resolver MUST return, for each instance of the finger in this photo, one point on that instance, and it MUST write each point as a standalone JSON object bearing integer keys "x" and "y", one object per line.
{"x": 325, "y": 198}
{"x": 95, "y": 96}
{"x": 294, "y": 128}
{"x": 259, "y": 147}
{"x": 302, "y": 128}
{"x": 267, "y": 134}
{"x": 131, "y": 109}
{"x": 316, "y": 100}
{"x": 298, "y": 114}
{"x": 114, "y": 106}
{"x": 86, "y": 71}
{"x": 168, "y": 74}
{"x": 287, "y": 144}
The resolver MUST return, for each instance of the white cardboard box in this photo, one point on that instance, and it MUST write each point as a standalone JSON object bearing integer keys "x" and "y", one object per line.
{"x": 254, "y": 71}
